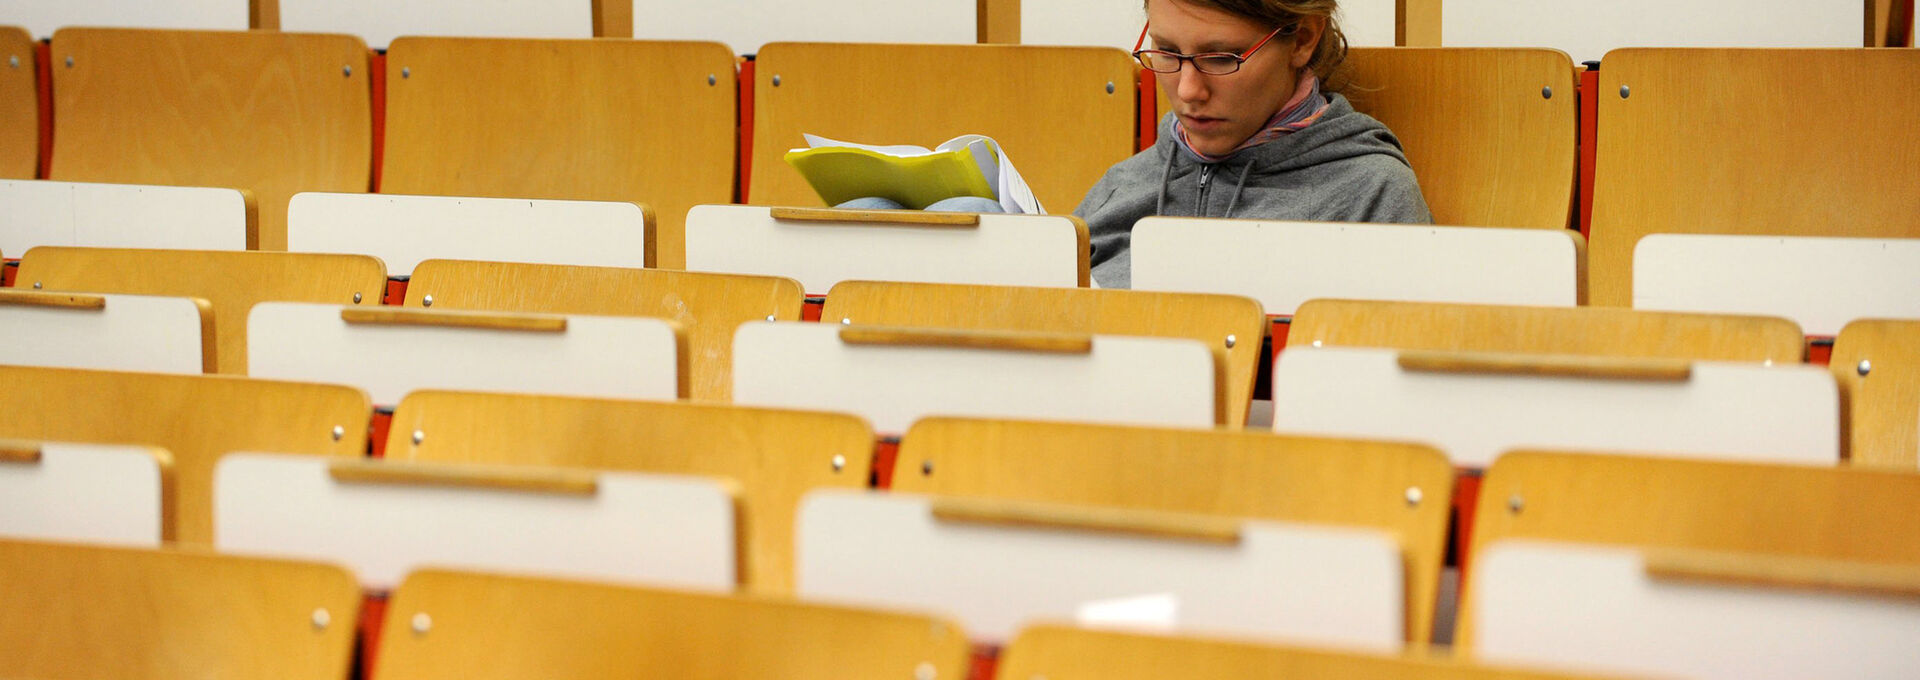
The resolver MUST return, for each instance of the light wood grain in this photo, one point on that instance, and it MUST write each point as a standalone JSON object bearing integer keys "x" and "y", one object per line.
{"x": 1060, "y": 652}
{"x": 1696, "y": 148}
{"x": 1212, "y": 473}
{"x": 485, "y": 627}
{"x": 776, "y": 456}
{"x": 1161, "y": 525}
{"x": 642, "y": 124}
{"x": 75, "y": 612}
{"x": 272, "y": 113}
{"x": 1832, "y": 513}
{"x": 19, "y": 452}
{"x": 613, "y": 18}
{"x": 1046, "y": 343}
{"x": 384, "y": 316}
{"x": 1488, "y": 148}
{"x": 1547, "y": 365}
{"x": 1418, "y": 23}
{"x": 1211, "y": 319}
{"x": 1586, "y": 331}
{"x": 531, "y": 479}
{"x": 196, "y": 418}
{"x": 232, "y": 281}
{"x": 708, "y": 306}
{"x": 1783, "y": 573}
{"x": 28, "y": 298}
{"x": 906, "y": 217}
{"x": 19, "y": 105}
{"x": 1049, "y": 107}
{"x": 1881, "y": 410}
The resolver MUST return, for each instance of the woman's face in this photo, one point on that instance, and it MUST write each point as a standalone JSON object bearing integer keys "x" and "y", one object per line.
{"x": 1220, "y": 112}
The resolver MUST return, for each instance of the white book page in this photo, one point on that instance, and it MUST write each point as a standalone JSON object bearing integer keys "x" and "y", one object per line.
{"x": 899, "y": 150}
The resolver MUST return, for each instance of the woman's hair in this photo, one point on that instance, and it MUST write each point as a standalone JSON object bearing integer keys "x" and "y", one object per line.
{"x": 1333, "y": 43}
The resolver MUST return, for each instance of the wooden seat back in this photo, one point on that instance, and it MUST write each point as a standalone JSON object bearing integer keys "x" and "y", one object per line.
{"x": 1877, "y": 362}
{"x": 646, "y": 122}
{"x": 191, "y": 108}
{"x": 19, "y": 105}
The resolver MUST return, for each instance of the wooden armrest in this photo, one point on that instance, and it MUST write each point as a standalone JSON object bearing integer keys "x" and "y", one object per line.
{"x": 531, "y": 479}
{"x": 913, "y": 218}
{"x": 1050, "y": 343}
{"x": 19, "y": 452}
{"x": 1779, "y": 571}
{"x": 1108, "y": 520}
{"x": 28, "y": 298}
{"x": 395, "y": 316}
{"x": 1609, "y": 368}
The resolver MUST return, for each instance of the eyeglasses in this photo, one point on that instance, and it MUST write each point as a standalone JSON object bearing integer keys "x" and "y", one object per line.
{"x": 1210, "y": 63}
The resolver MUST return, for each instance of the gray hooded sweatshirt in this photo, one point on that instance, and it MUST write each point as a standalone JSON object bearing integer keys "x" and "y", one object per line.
{"x": 1345, "y": 167}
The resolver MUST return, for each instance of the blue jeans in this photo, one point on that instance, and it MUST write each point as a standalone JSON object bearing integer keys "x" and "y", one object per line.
{"x": 972, "y": 204}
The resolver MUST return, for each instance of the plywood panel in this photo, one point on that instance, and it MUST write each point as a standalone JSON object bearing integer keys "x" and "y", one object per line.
{"x": 1694, "y": 148}
{"x": 642, "y": 122}
{"x": 1877, "y": 362}
{"x": 1490, "y": 132}
{"x": 1062, "y": 114}
{"x": 19, "y": 104}
{"x": 196, "y": 418}
{"x": 231, "y": 281}
{"x": 270, "y": 113}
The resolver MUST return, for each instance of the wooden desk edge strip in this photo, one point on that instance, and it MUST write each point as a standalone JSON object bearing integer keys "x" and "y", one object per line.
{"x": 27, "y": 298}
{"x": 933, "y": 337}
{"x": 562, "y": 482}
{"x": 1107, "y": 520}
{"x": 1783, "y": 571}
{"x": 1603, "y": 368}
{"x": 905, "y": 218}
{"x": 377, "y": 316}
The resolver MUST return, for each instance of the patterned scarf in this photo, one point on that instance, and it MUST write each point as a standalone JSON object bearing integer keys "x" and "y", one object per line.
{"x": 1306, "y": 106}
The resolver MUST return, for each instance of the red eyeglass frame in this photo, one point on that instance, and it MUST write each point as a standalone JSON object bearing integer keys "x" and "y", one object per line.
{"x": 1187, "y": 58}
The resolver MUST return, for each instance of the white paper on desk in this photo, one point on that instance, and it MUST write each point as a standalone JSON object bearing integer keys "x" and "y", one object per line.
{"x": 1012, "y": 190}
{"x": 1149, "y": 612}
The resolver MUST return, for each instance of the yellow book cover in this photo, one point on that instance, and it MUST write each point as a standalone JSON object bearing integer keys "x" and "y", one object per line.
{"x": 969, "y": 165}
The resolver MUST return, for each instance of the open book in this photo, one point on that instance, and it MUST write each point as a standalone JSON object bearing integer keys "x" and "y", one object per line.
{"x": 968, "y": 165}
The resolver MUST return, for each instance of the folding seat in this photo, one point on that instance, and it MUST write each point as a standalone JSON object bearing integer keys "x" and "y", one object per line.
{"x": 90, "y": 493}
{"x": 111, "y": 332}
{"x": 1068, "y": 117}
{"x": 1229, "y": 325}
{"x": 822, "y": 248}
{"x": 74, "y": 612}
{"x": 1672, "y": 161}
{"x": 1588, "y": 331}
{"x": 706, "y": 306}
{"x": 1693, "y": 568}
{"x": 1067, "y": 653}
{"x": 231, "y": 281}
{"x": 380, "y": 22}
{"x": 774, "y": 456}
{"x": 894, "y": 375}
{"x": 1877, "y": 362}
{"x": 19, "y": 107}
{"x": 1392, "y": 489}
{"x": 651, "y": 123}
{"x": 445, "y": 624}
{"x": 191, "y": 108}
{"x": 1821, "y": 283}
{"x": 196, "y": 418}
{"x": 49, "y": 213}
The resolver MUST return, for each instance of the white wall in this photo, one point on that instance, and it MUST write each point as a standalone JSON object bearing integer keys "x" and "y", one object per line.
{"x": 380, "y": 21}
{"x": 1116, "y": 23}
{"x": 745, "y": 25}
{"x": 1587, "y": 30}
{"x": 41, "y": 17}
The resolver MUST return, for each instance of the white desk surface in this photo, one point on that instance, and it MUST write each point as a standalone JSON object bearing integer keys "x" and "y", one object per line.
{"x": 48, "y": 213}
{"x": 87, "y": 493}
{"x": 1819, "y": 283}
{"x": 404, "y": 230}
{"x": 141, "y": 333}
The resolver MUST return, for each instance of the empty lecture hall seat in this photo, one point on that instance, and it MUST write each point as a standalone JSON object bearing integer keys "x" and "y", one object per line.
{"x": 379, "y": 23}
{"x": 49, "y": 213}
{"x": 747, "y": 25}
{"x": 774, "y": 456}
{"x": 232, "y": 281}
{"x": 1490, "y": 132}
{"x": 1284, "y": 264}
{"x": 1062, "y": 652}
{"x": 452, "y": 625}
{"x": 89, "y": 493}
{"x": 404, "y": 230}
{"x": 110, "y": 332}
{"x": 196, "y": 418}
{"x": 651, "y": 123}
{"x": 1230, "y": 326}
{"x": 1821, "y": 283}
{"x": 1877, "y": 362}
{"x": 1590, "y": 331}
{"x": 1587, "y": 32}
{"x": 1477, "y": 405}
{"x": 385, "y": 519}
{"x": 1706, "y": 569}
{"x": 1672, "y": 161}
{"x": 996, "y": 565}
{"x": 894, "y": 375}
{"x": 198, "y": 108}
{"x": 1394, "y": 488}
{"x": 74, "y": 612}
{"x": 19, "y": 105}
{"x": 708, "y": 307}
{"x": 821, "y": 248}
{"x": 927, "y": 94}
{"x": 391, "y": 351}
